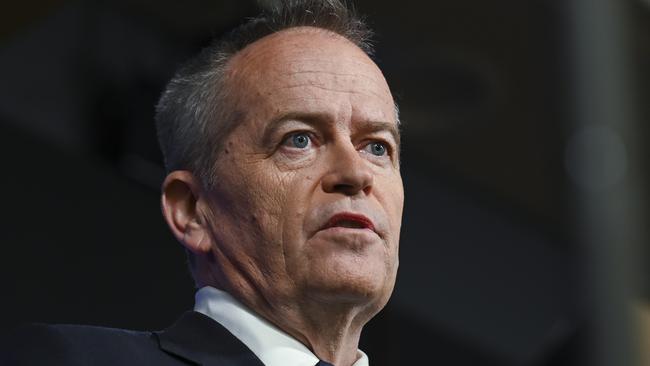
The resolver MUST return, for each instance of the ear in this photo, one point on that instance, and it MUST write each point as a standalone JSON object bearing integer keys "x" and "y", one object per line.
{"x": 181, "y": 192}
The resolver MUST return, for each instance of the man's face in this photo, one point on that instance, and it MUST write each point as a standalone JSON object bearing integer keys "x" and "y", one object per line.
{"x": 308, "y": 199}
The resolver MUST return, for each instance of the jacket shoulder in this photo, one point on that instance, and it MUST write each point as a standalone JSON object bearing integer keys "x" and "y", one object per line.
{"x": 43, "y": 344}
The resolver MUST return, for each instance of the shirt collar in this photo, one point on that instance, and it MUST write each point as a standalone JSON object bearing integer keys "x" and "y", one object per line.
{"x": 270, "y": 344}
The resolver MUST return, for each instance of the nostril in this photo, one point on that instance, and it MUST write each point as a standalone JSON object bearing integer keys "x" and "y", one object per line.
{"x": 348, "y": 189}
{"x": 348, "y": 182}
{"x": 341, "y": 186}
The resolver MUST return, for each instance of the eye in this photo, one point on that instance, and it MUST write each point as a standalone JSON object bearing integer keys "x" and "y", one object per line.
{"x": 376, "y": 148}
{"x": 298, "y": 140}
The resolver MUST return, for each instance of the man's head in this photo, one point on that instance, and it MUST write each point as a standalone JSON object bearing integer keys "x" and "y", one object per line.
{"x": 194, "y": 113}
{"x": 302, "y": 200}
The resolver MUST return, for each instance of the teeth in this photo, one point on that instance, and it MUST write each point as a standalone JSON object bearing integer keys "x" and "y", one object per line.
{"x": 350, "y": 224}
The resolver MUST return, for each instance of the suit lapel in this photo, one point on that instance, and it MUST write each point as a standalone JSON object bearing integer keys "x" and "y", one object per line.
{"x": 200, "y": 339}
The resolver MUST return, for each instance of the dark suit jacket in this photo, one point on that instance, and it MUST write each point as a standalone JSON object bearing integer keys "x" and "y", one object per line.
{"x": 193, "y": 339}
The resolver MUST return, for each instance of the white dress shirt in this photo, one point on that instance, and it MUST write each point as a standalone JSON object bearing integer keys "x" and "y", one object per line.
{"x": 270, "y": 344}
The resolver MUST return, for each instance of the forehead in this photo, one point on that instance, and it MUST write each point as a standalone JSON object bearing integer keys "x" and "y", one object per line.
{"x": 310, "y": 70}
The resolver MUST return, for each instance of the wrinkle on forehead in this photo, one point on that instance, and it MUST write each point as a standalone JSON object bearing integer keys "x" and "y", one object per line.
{"x": 304, "y": 50}
{"x": 292, "y": 40}
{"x": 279, "y": 70}
{"x": 336, "y": 81}
{"x": 331, "y": 89}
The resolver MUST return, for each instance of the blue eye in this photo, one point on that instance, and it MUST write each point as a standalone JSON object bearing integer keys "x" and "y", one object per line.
{"x": 377, "y": 148}
{"x": 300, "y": 140}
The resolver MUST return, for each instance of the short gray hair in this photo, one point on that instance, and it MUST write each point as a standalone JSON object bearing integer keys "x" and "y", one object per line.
{"x": 193, "y": 116}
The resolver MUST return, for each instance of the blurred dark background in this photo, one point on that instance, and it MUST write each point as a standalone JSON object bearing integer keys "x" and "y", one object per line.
{"x": 495, "y": 264}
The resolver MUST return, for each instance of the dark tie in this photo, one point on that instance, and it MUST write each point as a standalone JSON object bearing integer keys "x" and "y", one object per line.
{"x": 323, "y": 363}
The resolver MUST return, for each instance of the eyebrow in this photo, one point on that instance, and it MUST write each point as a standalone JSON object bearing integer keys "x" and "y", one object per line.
{"x": 379, "y": 126}
{"x": 314, "y": 119}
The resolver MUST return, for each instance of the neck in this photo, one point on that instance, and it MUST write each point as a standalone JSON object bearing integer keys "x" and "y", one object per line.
{"x": 330, "y": 330}
{"x": 328, "y": 325}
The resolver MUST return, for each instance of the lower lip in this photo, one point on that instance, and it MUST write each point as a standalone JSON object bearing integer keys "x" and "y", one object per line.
{"x": 347, "y": 233}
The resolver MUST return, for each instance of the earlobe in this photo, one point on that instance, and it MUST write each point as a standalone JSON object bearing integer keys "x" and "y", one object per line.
{"x": 181, "y": 194}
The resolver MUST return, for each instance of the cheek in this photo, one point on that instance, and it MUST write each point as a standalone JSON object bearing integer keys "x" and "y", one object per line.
{"x": 247, "y": 197}
{"x": 392, "y": 198}
{"x": 270, "y": 189}
{"x": 399, "y": 204}
{"x": 293, "y": 201}
{"x": 279, "y": 203}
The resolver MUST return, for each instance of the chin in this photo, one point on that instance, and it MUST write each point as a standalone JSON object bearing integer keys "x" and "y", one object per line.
{"x": 352, "y": 283}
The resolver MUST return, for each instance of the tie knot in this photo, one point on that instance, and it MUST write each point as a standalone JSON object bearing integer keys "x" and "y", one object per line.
{"x": 323, "y": 363}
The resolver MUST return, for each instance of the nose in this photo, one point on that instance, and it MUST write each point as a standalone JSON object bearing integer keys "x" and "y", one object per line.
{"x": 348, "y": 173}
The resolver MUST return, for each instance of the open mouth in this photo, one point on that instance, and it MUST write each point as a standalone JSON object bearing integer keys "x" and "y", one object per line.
{"x": 349, "y": 220}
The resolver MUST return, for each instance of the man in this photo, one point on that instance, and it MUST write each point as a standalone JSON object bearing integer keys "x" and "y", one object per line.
{"x": 282, "y": 146}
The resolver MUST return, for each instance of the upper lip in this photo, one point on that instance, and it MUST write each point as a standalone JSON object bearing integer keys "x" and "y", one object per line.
{"x": 352, "y": 219}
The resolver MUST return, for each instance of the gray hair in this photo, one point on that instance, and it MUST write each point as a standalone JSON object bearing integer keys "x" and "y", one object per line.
{"x": 193, "y": 116}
